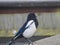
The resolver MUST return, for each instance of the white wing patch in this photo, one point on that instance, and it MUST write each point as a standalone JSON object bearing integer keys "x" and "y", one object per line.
{"x": 29, "y": 23}
{"x": 31, "y": 30}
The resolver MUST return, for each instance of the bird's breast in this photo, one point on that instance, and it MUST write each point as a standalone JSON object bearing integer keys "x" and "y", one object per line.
{"x": 29, "y": 32}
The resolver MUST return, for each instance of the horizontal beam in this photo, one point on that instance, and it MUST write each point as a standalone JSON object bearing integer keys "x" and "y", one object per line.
{"x": 27, "y": 0}
{"x": 26, "y": 10}
{"x": 30, "y": 4}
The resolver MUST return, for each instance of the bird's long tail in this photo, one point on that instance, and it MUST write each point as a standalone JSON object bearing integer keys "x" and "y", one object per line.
{"x": 13, "y": 39}
{"x": 10, "y": 43}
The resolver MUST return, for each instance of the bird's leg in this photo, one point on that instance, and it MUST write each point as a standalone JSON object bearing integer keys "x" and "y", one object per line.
{"x": 29, "y": 41}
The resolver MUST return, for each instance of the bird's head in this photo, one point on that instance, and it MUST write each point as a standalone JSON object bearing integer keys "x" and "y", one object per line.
{"x": 32, "y": 16}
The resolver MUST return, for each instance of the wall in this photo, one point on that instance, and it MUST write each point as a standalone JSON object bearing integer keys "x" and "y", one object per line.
{"x": 49, "y": 23}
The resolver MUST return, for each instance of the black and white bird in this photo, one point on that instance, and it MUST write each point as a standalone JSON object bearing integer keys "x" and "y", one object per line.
{"x": 28, "y": 29}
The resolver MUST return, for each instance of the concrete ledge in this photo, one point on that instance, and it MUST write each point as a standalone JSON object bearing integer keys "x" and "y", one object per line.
{"x": 54, "y": 40}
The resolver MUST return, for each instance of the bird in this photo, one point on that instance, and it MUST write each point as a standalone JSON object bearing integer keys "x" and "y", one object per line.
{"x": 28, "y": 29}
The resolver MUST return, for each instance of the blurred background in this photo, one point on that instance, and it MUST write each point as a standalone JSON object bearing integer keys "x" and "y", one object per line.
{"x": 13, "y": 14}
{"x": 49, "y": 23}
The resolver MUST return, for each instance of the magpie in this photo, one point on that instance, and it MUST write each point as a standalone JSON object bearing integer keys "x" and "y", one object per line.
{"x": 28, "y": 28}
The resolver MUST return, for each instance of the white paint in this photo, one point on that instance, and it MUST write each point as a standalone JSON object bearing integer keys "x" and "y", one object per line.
{"x": 30, "y": 31}
{"x": 14, "y": 31}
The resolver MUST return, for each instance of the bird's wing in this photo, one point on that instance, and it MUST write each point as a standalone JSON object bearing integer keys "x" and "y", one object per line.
{"x": 16, "y": 36}
{"x": 28, "y": 24}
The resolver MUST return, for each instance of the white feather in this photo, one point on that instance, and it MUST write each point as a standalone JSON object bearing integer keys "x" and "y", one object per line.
{"x": 31, "y": 30}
